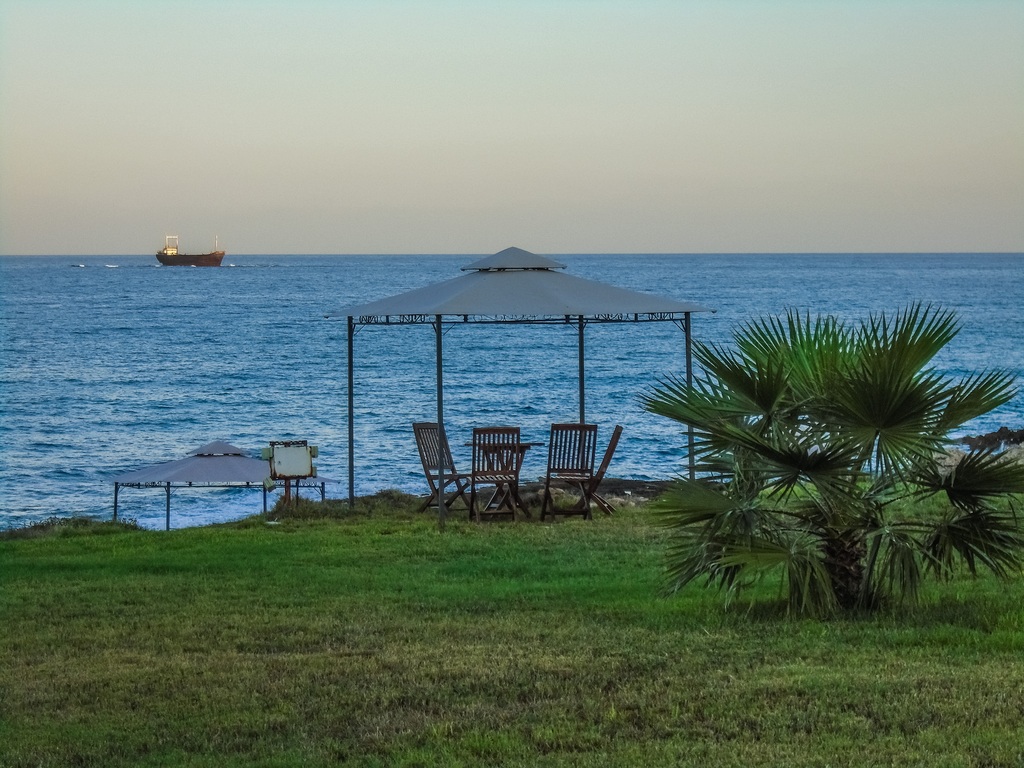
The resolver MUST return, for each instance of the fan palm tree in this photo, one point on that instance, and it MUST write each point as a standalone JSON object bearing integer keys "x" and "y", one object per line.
{"x": 822, "y": 437}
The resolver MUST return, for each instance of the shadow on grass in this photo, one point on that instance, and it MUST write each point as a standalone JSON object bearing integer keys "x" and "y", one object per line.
{"x": 965, "y": 603}
{"x": 387, "y": 502}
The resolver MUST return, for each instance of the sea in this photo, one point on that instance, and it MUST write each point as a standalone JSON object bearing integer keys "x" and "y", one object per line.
{"x": 114, "y": 363}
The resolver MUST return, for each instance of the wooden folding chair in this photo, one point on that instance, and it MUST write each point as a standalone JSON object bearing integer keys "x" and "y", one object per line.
{"x": 571, "y": 453}
{"x": 595, "y": 482}
{"x": 497, "y": 459}
{"x": 435, "y": 453}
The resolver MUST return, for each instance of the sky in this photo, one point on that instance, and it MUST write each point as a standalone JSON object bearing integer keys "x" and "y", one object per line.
{"x": 559, "y": 126}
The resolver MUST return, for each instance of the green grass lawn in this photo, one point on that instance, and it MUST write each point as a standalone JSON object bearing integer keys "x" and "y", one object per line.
{"x": 378, "y": 641}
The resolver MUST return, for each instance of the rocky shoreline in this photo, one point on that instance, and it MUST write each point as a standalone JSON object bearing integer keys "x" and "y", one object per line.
{"x": 1002, "y": 439}
{"x": 617, "y": 491}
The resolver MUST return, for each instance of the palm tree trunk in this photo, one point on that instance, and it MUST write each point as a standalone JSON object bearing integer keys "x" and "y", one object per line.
{"x": 845, "y": 553}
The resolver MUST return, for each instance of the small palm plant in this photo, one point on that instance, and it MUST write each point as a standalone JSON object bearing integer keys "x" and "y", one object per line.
{"x": 825, "y": 439}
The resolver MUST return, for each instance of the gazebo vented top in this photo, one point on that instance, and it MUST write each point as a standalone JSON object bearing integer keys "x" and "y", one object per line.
{"x": 513, "y": 258}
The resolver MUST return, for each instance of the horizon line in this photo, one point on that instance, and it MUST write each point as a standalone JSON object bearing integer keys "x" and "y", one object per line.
{"x": 549, "y": 253}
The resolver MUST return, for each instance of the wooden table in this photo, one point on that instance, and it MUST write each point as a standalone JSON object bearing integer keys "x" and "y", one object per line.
{"x": 503, "y": 468}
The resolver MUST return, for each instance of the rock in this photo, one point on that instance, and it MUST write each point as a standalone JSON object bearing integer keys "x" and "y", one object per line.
{"x": 1000, "y": 439}
{"x": 613, "y": 489}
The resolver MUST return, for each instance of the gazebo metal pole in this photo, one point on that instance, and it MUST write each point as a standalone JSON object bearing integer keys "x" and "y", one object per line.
{"x": 351, "y": 420}
{"x": 116, "y": 487}
{"x": 689, "y": 383}
{"x": 168, "y": 523}
{"x": 583, "y": 408}
{"x": 442, "y": 438}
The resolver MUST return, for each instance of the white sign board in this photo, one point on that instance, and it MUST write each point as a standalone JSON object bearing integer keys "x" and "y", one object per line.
{"x": 290, "y": 461}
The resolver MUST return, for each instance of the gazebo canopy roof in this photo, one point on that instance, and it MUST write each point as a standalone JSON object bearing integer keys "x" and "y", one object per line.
{"x": 516, "y": 285}
{"x": 216, "y": 462}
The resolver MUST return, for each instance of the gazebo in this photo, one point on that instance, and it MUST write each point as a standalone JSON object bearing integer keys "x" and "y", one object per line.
{"x": 214, "y": 465}
{"x": 513, "y": 287}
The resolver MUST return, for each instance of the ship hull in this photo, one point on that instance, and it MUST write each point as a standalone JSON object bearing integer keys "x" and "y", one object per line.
{"x": 195, "y": 260}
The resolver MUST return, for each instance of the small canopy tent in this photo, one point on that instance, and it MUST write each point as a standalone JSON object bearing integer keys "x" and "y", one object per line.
{"x": 214, "y": 465}
{"x": 512, "y": 286}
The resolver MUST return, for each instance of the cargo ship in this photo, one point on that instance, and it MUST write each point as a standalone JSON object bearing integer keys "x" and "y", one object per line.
{"x": 171, "y": 257}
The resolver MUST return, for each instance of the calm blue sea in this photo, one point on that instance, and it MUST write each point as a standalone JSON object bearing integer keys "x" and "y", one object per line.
{"x": 111, "y": 363}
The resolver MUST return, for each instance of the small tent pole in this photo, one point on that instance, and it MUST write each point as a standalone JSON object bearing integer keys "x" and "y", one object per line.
{"x": 116, "y": 487}
{"x": 168, "y": 491}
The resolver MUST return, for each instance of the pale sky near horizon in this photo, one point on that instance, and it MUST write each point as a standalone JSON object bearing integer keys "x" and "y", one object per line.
{"x": 562, "y": 126}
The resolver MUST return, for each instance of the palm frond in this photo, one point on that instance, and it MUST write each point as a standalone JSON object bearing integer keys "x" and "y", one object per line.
{"x": 979, "y": 537}
{"x": 975, "y": 396}
{"x": 915, "y": 335}
{"x": 888, "y": 401}
{"x": 731, "y": 388}
{"x": 706, "y": 523}
{"x": 896, "y": 566}
{"x": 798, "y": 554}
{"x": 975, "y": 478}
{"x": 791, "y": 456}
{"x": 688, "y": 503}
